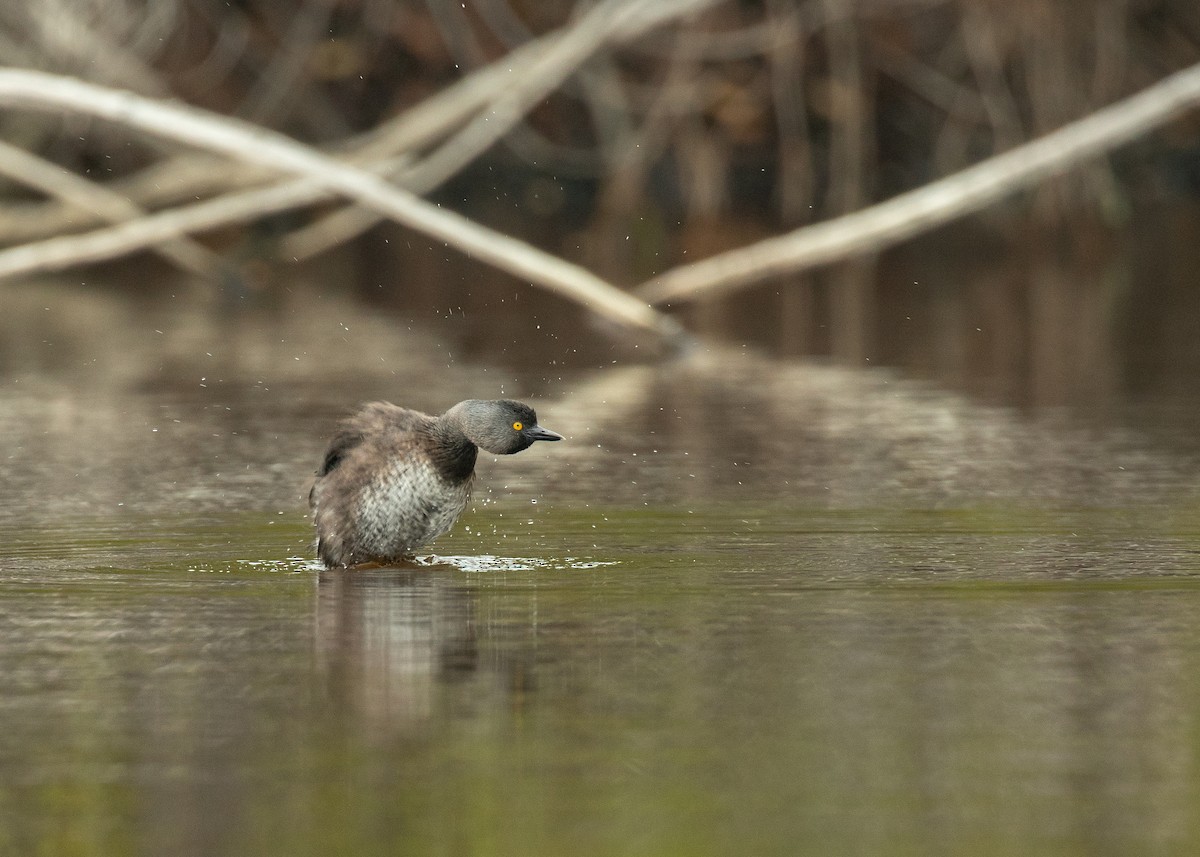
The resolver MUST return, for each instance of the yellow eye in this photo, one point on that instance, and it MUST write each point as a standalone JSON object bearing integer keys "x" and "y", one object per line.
{"x": 518, "y": 426}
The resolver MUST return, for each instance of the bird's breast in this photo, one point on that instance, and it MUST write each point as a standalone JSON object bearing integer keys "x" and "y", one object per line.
{"x": 407, "y": 506}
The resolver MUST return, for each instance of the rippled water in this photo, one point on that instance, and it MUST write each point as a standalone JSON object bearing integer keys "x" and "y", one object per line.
{"x": 749, "y": 607}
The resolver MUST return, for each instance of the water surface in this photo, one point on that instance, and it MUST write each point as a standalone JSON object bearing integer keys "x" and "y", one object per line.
{"x": 750, "y": 606}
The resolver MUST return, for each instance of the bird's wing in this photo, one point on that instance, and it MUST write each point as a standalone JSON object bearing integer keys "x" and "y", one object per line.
{"x": 374, "y": 420}
{"x": 345, "y": 440}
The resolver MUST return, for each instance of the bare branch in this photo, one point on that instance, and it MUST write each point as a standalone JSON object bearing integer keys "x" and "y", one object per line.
{"x": 543, "y": 73}
{"x": 73, "y": 190}
{"x": 879, "y": 226}
{"x": 186, "y": 177}
{"x": 240, "y": 140}
{"x": 133, "y": 235}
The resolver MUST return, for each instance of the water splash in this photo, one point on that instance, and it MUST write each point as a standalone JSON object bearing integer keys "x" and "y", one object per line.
{"x": 486, "y": 563}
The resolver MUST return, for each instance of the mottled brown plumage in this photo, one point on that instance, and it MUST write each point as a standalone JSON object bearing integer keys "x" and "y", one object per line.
{"x": 394, "y": 479}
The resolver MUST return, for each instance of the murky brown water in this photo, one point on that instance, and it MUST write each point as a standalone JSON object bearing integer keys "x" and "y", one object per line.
{"x": 750, "y": 606}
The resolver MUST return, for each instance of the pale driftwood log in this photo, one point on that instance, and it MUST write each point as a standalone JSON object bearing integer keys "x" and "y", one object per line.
{"x": 132, "y": 235}
{"x": 880, "y": 226}
{"x": 175, "y": 179}
{"x": 51, "y": 179}
{"x": 242, "y": 141}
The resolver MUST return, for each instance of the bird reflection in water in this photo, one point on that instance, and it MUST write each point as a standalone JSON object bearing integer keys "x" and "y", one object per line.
{"x": 396, "y": 644}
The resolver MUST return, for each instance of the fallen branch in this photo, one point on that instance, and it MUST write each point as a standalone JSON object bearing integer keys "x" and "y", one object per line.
{"x": 51, "y": 179}
{"x": 242, "y": 141}
{"x": 541, "y": 72}
{"x": 182, "y": 178}
{"x": 880, "y": 226}
{"x": 130, "y": 236}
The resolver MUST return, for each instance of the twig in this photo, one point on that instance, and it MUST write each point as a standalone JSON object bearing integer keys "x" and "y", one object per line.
{"x": 36, "y": 90}
{"x": 879, "y": 226}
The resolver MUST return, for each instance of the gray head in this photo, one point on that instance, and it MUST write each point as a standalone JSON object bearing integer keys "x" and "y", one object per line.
{"x": 499, "y": 426}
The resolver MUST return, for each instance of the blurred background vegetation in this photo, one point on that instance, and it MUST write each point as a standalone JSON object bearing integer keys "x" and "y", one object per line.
{"x": 743, "y": 120}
